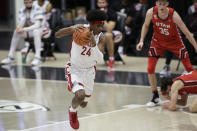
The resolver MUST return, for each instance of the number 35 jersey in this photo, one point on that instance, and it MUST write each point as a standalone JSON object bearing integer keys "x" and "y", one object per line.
{"x": 164, "y": 30}
{"x": 86, "y": 56}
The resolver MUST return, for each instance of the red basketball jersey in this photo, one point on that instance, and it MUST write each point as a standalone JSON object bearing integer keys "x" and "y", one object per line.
{"x": 164, "y": 30}
{"x": 190, "y": 83}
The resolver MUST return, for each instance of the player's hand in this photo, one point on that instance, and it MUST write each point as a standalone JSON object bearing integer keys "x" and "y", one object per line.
{"x": 139, "y": 46}
{"x": 78, "y": 27}
{"x": 166, "y": 105}
{"x": 20, "y": 30}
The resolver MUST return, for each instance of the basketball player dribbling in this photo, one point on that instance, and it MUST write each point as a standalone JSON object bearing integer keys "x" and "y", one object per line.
{"x": 181, "y": 86}
{"x": 80, "y": 70}
{"x": 165, "y": 37}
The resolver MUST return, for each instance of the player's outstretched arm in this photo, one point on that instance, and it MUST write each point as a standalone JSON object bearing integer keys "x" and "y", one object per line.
{"x": 177, "y": 19}
{"x": 145, "y": 28}
{"x": 67, "y": 31}
{"x": 176, "y": 86}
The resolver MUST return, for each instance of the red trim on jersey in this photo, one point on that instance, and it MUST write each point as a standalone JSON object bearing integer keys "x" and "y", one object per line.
{"x": 80, "y": 84}
{"x": 152, "y": 52}
{"x": 71, "y": 47}
{"x": 183, "y": 53}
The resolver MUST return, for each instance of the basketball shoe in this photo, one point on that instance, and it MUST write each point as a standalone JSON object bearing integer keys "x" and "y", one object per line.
{"x": 36, "y": 61}
{"x": 111, "y": 64}
{"x": 154, "y": 102}
{"x": 74, "y": 123}
{"x": 8, "y": 60}
{"x": 165, "y": 71}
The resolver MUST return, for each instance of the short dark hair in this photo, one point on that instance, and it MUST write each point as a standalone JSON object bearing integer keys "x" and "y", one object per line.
{"x": 164, "y": 83}
{"x": 96, "y": 14}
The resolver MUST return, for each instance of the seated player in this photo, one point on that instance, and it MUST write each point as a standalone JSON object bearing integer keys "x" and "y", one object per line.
{"x": 183, "y": 85}
{"x": 31, "y": 24}
{"x": 45, "y": 6}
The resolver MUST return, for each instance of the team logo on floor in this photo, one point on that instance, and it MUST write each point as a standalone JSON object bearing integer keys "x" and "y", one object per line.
{"x": 19, "y": 106}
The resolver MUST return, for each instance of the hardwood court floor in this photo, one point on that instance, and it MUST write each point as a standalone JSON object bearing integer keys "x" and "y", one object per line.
{"x": 36, "y": 99}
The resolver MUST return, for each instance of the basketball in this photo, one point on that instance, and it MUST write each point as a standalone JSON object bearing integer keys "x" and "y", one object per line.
{"x": 80, "y": 36}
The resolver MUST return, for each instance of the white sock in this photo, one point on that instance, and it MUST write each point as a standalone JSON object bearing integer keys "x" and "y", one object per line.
{"x": 111, "y": 58}
{"x": 72, "y": 109}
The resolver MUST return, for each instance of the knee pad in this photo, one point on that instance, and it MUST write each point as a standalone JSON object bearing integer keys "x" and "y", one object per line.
{"x": 152, "y": 61}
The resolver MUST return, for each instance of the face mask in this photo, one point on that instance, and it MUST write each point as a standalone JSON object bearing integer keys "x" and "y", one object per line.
{"x": 29, "y": 8}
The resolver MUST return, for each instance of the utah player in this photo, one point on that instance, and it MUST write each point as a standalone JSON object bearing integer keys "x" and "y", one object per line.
{"x": 183, "y": 86}
{"x": 166, "y": 37}
{"x": 80, "y": 70}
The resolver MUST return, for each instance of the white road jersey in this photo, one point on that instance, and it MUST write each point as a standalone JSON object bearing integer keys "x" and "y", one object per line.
{"x": 43, "y": 8}
{"x": 29, "y": 17}
{"x": 85, "y": 56}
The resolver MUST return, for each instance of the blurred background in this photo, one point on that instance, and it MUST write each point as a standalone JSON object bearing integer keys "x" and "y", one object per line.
{"x": 69, "y": 12}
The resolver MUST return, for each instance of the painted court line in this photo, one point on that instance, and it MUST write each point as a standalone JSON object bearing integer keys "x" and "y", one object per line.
{"x": 126, "y": 108}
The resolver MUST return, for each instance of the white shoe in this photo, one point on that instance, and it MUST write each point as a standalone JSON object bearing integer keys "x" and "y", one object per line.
{"x": 36, "y": 61}
{"x": 152, "y": 104}
{"x": 165, "y": 71}
{"x": 184, "y": 72}
{"x": 8, "y": 60}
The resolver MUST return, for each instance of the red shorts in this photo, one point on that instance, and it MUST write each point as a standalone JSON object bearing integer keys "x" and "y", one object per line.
{"x": 177, "y": 47}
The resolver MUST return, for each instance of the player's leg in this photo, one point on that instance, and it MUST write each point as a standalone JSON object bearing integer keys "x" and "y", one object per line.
{"x": 14, "y": 44}
{"x": 110, "y": 48}
{"x": 89, "y": 82}
{"x": 37, "y": 33}
{"x": 187, "y": 64}
{"x": 154, "y": 53}
{"x": 79, "y": 96}
{"x": 85, "y": 102}
{"x": 193, "y": 106}
{"x": 152, "y": 61}
{"x": 78, "y": 90}
{"x": 182, "y": 53}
